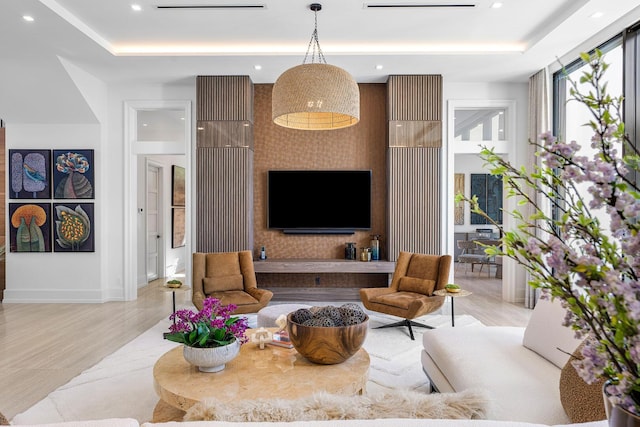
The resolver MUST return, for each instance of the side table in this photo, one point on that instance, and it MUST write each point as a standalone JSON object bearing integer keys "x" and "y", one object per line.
{"x": 453, "y": 295}
{"x": 173, "y": 291}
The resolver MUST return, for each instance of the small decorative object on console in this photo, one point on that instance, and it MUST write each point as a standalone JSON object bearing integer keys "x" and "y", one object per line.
{"x": 452, "y": 287}
{"x": 174, "y": 283}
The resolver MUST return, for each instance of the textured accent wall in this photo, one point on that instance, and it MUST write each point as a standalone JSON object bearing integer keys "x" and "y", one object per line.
{"x": 414, "y": 155}
{"x": 225, "y": 199}
{"x": 415, "y": 97}
{"x": 224, "y": 163}
{"x": 414, "y": 201}
{"x": 359, "y": 147}
{"x": 224, "y": 98}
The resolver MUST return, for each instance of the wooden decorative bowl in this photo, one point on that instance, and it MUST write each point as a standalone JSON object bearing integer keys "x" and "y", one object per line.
{"x": 327, "y": 345}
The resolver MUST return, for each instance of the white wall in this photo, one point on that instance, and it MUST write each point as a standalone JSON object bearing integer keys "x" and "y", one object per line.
{"x": 97, "y": 276}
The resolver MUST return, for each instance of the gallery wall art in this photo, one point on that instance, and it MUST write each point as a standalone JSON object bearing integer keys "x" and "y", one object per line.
{"x": 73, "y": 174}
{"x": 66, "y": 226}
{"x": 73, "y": 227}
{"x": 30, "y": 174}
{"x": 30, "y": 227}
{"x": 177, "y": 186}
{"x": 177, "y": 227}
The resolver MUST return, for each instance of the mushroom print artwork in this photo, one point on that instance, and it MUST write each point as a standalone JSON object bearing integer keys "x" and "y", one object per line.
{"x": 73, "y": 231}
{"x": 29, "y": 174}
{"x": 30, "y": 227}
{"x": 73, "y": 174}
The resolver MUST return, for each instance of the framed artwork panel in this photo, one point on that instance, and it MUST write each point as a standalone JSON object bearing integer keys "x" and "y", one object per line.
{"x": 74, "y": 227}
{"x": 177, "y": 185}
{"x": 177, "y": 227}
{"x": 30, "y": 227}
{"x": 30, "y": 174}
{"x": 73, "y": 174}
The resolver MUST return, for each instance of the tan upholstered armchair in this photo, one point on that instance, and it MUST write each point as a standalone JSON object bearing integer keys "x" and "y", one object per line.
{"x": 229, "y": 277}
{"x": 410, "y": 294}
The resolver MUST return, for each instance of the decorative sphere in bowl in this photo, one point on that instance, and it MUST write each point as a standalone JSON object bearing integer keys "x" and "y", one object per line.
{"x": 327, "y": 345}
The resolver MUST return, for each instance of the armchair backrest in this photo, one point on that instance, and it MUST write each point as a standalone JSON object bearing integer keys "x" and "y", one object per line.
{"x": 223, "y": 271}
{"x": 421, "y": 273}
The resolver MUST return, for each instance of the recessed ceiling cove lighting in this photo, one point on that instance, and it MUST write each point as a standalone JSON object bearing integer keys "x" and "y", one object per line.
{"x": 28, "y": 18}
{"x": 136, "y": 7}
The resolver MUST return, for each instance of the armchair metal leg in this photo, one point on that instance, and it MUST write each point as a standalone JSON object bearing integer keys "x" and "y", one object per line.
{"x": 408, "y": 323}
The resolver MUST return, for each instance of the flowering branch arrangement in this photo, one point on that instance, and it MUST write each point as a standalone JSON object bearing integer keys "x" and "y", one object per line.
{"x": 581, "y": 244}
{"x": 212, "y": 326}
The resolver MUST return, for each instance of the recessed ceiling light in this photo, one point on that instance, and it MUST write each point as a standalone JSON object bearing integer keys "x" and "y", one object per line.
{"x": 28, "y": 18}
{"x": 257, "y": 67}
{"x": 136, "y": 7}
{"x": 597, "y": 15}
{"x": 496, "y": 5}
{"x": 379, "y": 67}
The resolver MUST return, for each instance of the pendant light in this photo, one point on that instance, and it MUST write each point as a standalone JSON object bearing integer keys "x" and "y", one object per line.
{"x": 315, "y": 95}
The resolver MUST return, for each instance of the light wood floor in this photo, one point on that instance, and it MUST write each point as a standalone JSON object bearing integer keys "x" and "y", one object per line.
{"x": 43, "y": 346}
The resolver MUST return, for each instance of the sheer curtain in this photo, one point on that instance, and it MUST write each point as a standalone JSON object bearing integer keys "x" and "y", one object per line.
{"x": 538, "y": 123}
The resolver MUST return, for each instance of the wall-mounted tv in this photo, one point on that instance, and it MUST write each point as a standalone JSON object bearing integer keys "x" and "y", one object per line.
{"x": 319, "y": 201}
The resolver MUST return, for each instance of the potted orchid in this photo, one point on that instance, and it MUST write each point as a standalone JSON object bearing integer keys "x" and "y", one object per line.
{"x": 587, "y": 253}
{"x": 211, "y": 337}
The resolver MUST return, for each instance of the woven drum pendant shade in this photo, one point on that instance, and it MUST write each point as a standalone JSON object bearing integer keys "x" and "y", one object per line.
{"x": 315, "y": 97}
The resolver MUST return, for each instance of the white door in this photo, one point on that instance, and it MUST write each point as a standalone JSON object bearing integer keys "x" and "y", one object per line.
{"x": 154, "y": 222}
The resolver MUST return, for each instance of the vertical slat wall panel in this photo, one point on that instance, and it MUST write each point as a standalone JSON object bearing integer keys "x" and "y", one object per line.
{"x": 225, "y": 199}
{"x": 414, "y": 199}
{"x": 414, "y": 114}
{"x": 415, "y": 97}
{"x": 224, "y": 162}
{"x": 224, "y": 98}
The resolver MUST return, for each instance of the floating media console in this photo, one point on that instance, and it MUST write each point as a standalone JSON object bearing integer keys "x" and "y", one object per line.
{"x": 322, "y": 266}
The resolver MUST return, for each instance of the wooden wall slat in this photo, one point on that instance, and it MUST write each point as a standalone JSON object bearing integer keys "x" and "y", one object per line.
{"x": 224, "y": 199}
{"x": 414, "y": 201}
{"x": 414, "y": 97}
{"x": 224, "y": 98}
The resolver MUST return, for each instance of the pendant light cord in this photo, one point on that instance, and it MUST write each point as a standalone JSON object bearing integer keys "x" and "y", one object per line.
{"x": 314, "y": 44}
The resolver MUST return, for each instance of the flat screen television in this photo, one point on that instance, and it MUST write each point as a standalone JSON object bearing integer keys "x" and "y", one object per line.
{"x": 319, "y": 201}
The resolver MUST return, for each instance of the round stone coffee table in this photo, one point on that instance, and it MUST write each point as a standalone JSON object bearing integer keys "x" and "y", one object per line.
{"x": 274, "y": 372}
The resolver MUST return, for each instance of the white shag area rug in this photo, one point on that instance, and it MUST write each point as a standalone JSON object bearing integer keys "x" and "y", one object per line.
{"x": 465, "y": 405}
{"x": 121, "y": 385}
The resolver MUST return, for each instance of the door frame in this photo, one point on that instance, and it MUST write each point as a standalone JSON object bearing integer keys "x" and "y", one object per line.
{"x": 134, "y": 148}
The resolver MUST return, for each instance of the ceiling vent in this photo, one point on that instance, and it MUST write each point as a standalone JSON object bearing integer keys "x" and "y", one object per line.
{"x": 417, "y": 5}
{"x": 213, "y": 6}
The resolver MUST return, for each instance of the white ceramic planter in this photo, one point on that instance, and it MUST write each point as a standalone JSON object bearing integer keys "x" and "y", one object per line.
{"x": 211, "y": 359}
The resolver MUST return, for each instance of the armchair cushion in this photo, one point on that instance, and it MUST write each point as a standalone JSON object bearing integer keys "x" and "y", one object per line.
{"x": 397, "y": 299}
{"x": 238, "y": 298}
{"x": 222, "y": 264}
{"x": 232, "y": 282}
{"x": 416, "y": 285}
{"x": 423, "y": 266}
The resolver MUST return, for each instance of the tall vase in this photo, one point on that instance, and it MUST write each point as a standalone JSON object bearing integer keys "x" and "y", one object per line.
{"x": 618, "y": 416}
{"x": 211, "y": 359}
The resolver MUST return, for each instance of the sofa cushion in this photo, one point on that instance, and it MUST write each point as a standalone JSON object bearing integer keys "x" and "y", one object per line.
{"x": 546, "y": 335}
{"x": 414, "y": 284}
{"x": 522, "y": 385}
{"x": 223, "y": 283}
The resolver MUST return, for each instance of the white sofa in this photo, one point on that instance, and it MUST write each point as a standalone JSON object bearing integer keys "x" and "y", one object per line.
{"x": 390, "y": 422}
{"x": 518, "y": 367}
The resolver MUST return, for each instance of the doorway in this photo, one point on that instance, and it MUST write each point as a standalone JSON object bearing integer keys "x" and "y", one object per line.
{"x": 154, "y": 203}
